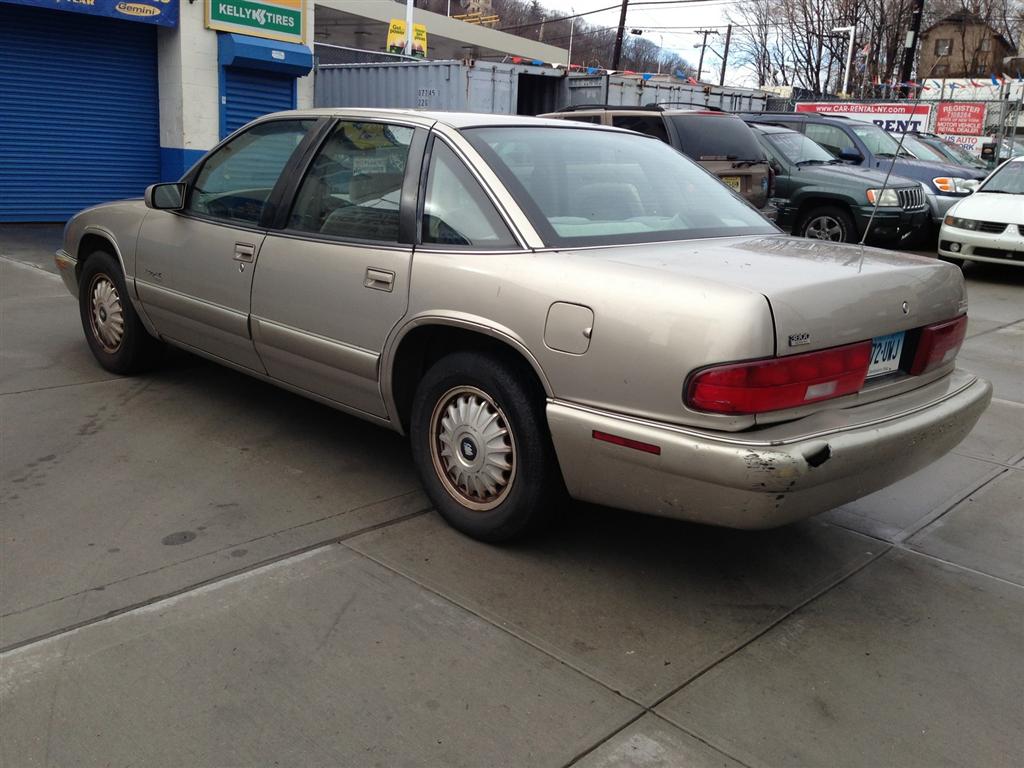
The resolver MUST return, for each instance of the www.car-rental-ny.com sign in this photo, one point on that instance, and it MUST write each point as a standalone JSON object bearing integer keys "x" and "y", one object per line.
{"x": 272, "y": 19}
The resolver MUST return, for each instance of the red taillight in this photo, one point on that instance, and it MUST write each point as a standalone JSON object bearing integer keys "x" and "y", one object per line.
{"x": 781, "y": 382}
{"x": 938, "y": 344}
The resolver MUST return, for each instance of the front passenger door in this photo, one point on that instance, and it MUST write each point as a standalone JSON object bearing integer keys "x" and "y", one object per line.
{"x": 194, "y": 268}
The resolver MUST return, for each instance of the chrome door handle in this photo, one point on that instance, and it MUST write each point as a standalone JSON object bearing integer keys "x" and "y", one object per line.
{"x": 379, "y": 279}
{"x": 244, "y": 252}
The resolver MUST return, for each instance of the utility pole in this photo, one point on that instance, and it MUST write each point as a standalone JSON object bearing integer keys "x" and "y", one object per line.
{"x": 725, "y": 57}
{"x": 910, "y": 47}
{"x": 703, "y": 45}
{"x": 408, "y": 26}
{"x": 619, "y": 34}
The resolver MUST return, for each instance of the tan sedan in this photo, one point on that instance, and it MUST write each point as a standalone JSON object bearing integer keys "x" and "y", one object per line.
{"x": 543, "y": 307}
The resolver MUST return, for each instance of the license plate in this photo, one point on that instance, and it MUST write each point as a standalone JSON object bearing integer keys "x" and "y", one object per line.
{"x": 885, "y": 354}
{"x": 732, "y": 181}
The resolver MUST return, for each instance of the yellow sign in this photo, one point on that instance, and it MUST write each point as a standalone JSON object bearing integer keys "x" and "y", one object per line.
{"x": 419, "y": 40}
{"x": 273, "y": 19}
{"x": 396, "y": 38}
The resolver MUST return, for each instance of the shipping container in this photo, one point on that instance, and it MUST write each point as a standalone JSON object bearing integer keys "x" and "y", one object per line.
{"x": 450, "y": 86}
{"x": 501, "y": 88}
{"x": 634, "y": 91}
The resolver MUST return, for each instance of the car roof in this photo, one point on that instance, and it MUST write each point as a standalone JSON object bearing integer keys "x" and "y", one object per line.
{"x": 457, "y": 120}
{"x": 795, "y": 117}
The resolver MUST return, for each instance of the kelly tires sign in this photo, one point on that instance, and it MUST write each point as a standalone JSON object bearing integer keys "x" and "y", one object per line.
{"x": 890, "y": 116}
{"x": 272, "y": 19}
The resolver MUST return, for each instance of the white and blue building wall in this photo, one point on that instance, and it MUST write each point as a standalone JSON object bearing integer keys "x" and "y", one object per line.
{"x": 97, "y": 104}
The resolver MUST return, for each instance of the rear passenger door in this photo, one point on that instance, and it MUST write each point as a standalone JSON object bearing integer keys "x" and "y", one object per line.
{"x": 334, "y": 281}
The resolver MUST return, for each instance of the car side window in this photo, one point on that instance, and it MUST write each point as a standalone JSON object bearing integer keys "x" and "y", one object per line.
{"x": 456, "y": 211}
{"x": 830, "y": 137}
{"x": 353, "y": 189}
{"x": 593, "y": 119}
{"x": 652, "y": 126}
{"x": 235, "y": 181}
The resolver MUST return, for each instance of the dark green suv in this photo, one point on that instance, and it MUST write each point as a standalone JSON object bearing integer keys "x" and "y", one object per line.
{"x": 820, "y": 197}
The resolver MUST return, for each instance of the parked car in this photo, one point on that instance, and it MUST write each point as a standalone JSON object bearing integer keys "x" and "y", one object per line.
{"x": 718, "y": 141}
{"x": 926, "y": 150}
{"x": 862, "y": 143}
{"x": 541, "y": 306}
{"x": 989, "y": 225}
{"x": 952, "y": 153}
{"x": 819, "y": 196}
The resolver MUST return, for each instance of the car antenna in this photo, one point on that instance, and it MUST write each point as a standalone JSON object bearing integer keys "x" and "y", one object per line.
{"x": 888, "y": 173}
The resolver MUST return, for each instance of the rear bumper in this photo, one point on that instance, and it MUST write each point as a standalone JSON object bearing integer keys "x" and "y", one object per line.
{"x": 771, "y": 476}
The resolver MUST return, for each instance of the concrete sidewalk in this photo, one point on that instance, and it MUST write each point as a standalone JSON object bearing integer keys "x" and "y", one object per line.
{"x": 202, "y": 570}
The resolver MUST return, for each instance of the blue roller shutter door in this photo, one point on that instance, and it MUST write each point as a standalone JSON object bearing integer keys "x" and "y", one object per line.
{"x": 79, "y": 112}
{"x": 251, "y": 93}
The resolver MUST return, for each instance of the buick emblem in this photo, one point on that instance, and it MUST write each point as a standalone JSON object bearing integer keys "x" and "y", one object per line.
{"x": 905, "y": 308}
{"x": 468, "y": 449}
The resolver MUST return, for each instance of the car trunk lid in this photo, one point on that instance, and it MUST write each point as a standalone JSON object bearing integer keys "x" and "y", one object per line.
{"x": 821, "y": 294}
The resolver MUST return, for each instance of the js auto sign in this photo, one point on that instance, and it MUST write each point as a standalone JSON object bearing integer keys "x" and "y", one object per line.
{"x": 889, "y": 116}
{"x": 273, "y": 19}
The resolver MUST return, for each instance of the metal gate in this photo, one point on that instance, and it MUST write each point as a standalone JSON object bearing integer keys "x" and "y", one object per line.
{"x": 79, "y": 112}
{"x": 249, "y": 93}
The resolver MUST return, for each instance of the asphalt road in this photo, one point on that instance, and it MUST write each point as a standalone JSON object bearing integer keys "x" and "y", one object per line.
{"x": 198, "y": 569}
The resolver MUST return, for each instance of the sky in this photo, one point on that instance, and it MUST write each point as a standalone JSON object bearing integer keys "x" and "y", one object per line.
{"x": 673, "y": 24}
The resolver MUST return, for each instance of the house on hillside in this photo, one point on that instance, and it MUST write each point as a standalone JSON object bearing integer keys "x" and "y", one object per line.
{"x": 962, "y": 45}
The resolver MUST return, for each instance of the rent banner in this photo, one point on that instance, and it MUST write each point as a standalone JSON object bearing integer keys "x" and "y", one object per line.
{"x": 890, "y": 116}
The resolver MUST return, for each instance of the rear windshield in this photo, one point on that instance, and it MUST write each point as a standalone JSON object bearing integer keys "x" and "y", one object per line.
{"x": 585, "y": 186}
{"x": 716, "y": 137}
{"x": 921, "y": 150}
{"x": 797, "y": 148}
{"x": 877, "y": 141}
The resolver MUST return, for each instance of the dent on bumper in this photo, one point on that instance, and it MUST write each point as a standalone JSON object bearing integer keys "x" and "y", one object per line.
{"x": 770, "y": 477}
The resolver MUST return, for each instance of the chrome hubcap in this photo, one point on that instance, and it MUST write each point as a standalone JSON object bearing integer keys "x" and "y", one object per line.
{"x": 106, "y": 315}
{"x": 473, "y": 448}
{"x": 824, "y": 228}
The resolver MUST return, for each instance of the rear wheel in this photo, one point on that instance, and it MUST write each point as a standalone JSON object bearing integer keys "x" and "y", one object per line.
{"x": 828, "y": 223}
{"x": 112, "y": 328}
{"x": 481, "y": 444}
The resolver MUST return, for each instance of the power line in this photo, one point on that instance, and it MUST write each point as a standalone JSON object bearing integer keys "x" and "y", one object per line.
{"x": 617, "y": 6}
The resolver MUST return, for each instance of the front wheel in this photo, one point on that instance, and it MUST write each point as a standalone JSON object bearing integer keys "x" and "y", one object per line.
{"x": 828, "y": 223}
{"x": 482, "y": 447}
{"x": 112, "y": 328}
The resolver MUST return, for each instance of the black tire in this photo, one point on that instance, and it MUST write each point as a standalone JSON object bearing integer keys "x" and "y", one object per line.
{"x": 509, "y": 396}
{"x": 826, "y": 219}
{"x": 132, "y": 349}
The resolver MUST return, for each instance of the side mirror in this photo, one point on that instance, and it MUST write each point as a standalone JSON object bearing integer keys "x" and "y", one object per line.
{"x": 776, "y": 167}
{"x": 850, "y": 155}
{"x": 165, "y": 197}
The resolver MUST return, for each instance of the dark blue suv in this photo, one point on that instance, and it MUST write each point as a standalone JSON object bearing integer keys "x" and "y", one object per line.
{"x": 862, "y": 143}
